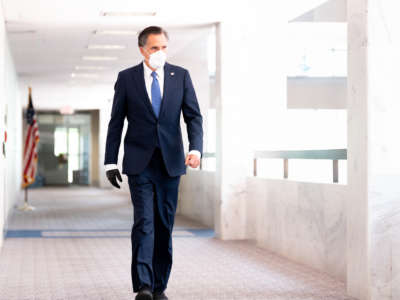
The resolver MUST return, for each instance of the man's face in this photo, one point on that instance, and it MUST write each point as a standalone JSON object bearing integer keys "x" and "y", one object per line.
{"x": 154, "y": 43}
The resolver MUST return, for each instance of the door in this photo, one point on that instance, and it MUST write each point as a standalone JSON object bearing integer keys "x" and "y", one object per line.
{"x": 63, "y": 149}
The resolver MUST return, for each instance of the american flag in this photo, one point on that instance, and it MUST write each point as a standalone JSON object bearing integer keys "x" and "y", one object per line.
{"x": 30, "y": 149}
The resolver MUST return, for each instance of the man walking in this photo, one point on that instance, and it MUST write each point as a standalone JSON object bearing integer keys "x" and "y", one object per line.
{"x": 152, "y": 95}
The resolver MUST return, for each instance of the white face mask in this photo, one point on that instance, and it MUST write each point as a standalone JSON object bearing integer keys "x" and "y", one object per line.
{"x": 157, "y": 59}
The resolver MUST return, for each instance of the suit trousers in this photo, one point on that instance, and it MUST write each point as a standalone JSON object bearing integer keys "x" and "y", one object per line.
{"x": 154, "y": 196}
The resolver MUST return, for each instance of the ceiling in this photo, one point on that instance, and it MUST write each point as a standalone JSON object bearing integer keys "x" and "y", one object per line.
{"x": 48, "y": 38}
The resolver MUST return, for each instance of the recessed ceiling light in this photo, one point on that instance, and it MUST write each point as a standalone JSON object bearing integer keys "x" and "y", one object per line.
{"x": 116, "y": 32}
{"x": 84, "y": 75}
{"x": 90, "y": 68}
{"x": 99, "y": 58}
{"x": 128, "y": 13}
{"x": 21, "y": 31}
{"x": 108, "y": 47}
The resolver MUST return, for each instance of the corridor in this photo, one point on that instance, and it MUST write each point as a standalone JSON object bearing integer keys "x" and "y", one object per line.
{"x": 76, "y": 245}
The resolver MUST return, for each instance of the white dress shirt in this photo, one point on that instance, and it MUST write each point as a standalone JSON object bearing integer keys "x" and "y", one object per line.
{"x": 148, "y": 79}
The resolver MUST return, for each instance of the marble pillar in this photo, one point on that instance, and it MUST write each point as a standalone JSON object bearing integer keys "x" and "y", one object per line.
{"x": 357, "y": 206}
{"x": 251, "y": 83}
{"x": 373, "y": 212}
{"x": 233, "y": 156}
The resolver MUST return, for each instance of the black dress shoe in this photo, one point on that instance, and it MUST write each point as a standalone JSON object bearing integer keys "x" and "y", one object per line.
{"x": 159, "y": 296}
{"x": 144, "y": 294}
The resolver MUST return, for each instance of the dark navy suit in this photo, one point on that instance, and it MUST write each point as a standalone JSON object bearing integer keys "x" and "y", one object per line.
{"x": 145, "y": 131}
{"x": 154, "y": 160}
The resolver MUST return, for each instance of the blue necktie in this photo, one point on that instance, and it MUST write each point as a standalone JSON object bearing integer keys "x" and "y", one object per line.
{"x": 155, "y": 94}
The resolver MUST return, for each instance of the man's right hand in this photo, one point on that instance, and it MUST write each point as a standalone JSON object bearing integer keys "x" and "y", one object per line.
{"x": 112, "y": 176}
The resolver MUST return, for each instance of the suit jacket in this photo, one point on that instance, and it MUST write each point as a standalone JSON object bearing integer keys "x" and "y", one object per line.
{"x": 146, "y": 131}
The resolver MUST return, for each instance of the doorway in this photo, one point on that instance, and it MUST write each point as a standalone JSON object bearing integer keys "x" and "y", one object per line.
{"x": 63, "y": 150}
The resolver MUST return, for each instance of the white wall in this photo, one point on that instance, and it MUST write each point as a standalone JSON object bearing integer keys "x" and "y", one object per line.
{"x": 10, "y": 121}
{"x": 2, "y": 125}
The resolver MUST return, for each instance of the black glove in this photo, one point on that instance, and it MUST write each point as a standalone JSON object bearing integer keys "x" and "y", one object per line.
{"x": 112, "y": 176}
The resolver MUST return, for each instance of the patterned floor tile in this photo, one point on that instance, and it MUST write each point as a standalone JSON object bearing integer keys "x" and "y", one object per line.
{"x": 56, "y": 265}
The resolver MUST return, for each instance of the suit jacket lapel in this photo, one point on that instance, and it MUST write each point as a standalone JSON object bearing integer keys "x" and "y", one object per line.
{"x": 141, "y": 86}
{"x": 167, "y": 86}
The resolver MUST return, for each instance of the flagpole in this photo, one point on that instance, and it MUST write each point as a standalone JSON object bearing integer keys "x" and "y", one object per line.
{"x": 26, "y": 206}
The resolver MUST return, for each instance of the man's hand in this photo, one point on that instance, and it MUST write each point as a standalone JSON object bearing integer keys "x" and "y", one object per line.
{"x": 112, "y": 176}
{"x": 192, "y": 160}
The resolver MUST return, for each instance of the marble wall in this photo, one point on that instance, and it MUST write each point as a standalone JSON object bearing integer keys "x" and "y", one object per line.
{"x": 197, "y": 196}
{"x": 305, "y": 222}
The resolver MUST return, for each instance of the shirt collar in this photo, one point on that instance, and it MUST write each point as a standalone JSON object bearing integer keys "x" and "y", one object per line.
{"x": 148, "y": 71}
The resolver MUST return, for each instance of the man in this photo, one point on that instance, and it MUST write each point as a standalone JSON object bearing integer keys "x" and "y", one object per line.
{"x": 152, "y": 95}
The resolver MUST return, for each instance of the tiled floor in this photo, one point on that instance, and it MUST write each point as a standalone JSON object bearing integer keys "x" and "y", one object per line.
{"x": 76, "y": 245}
